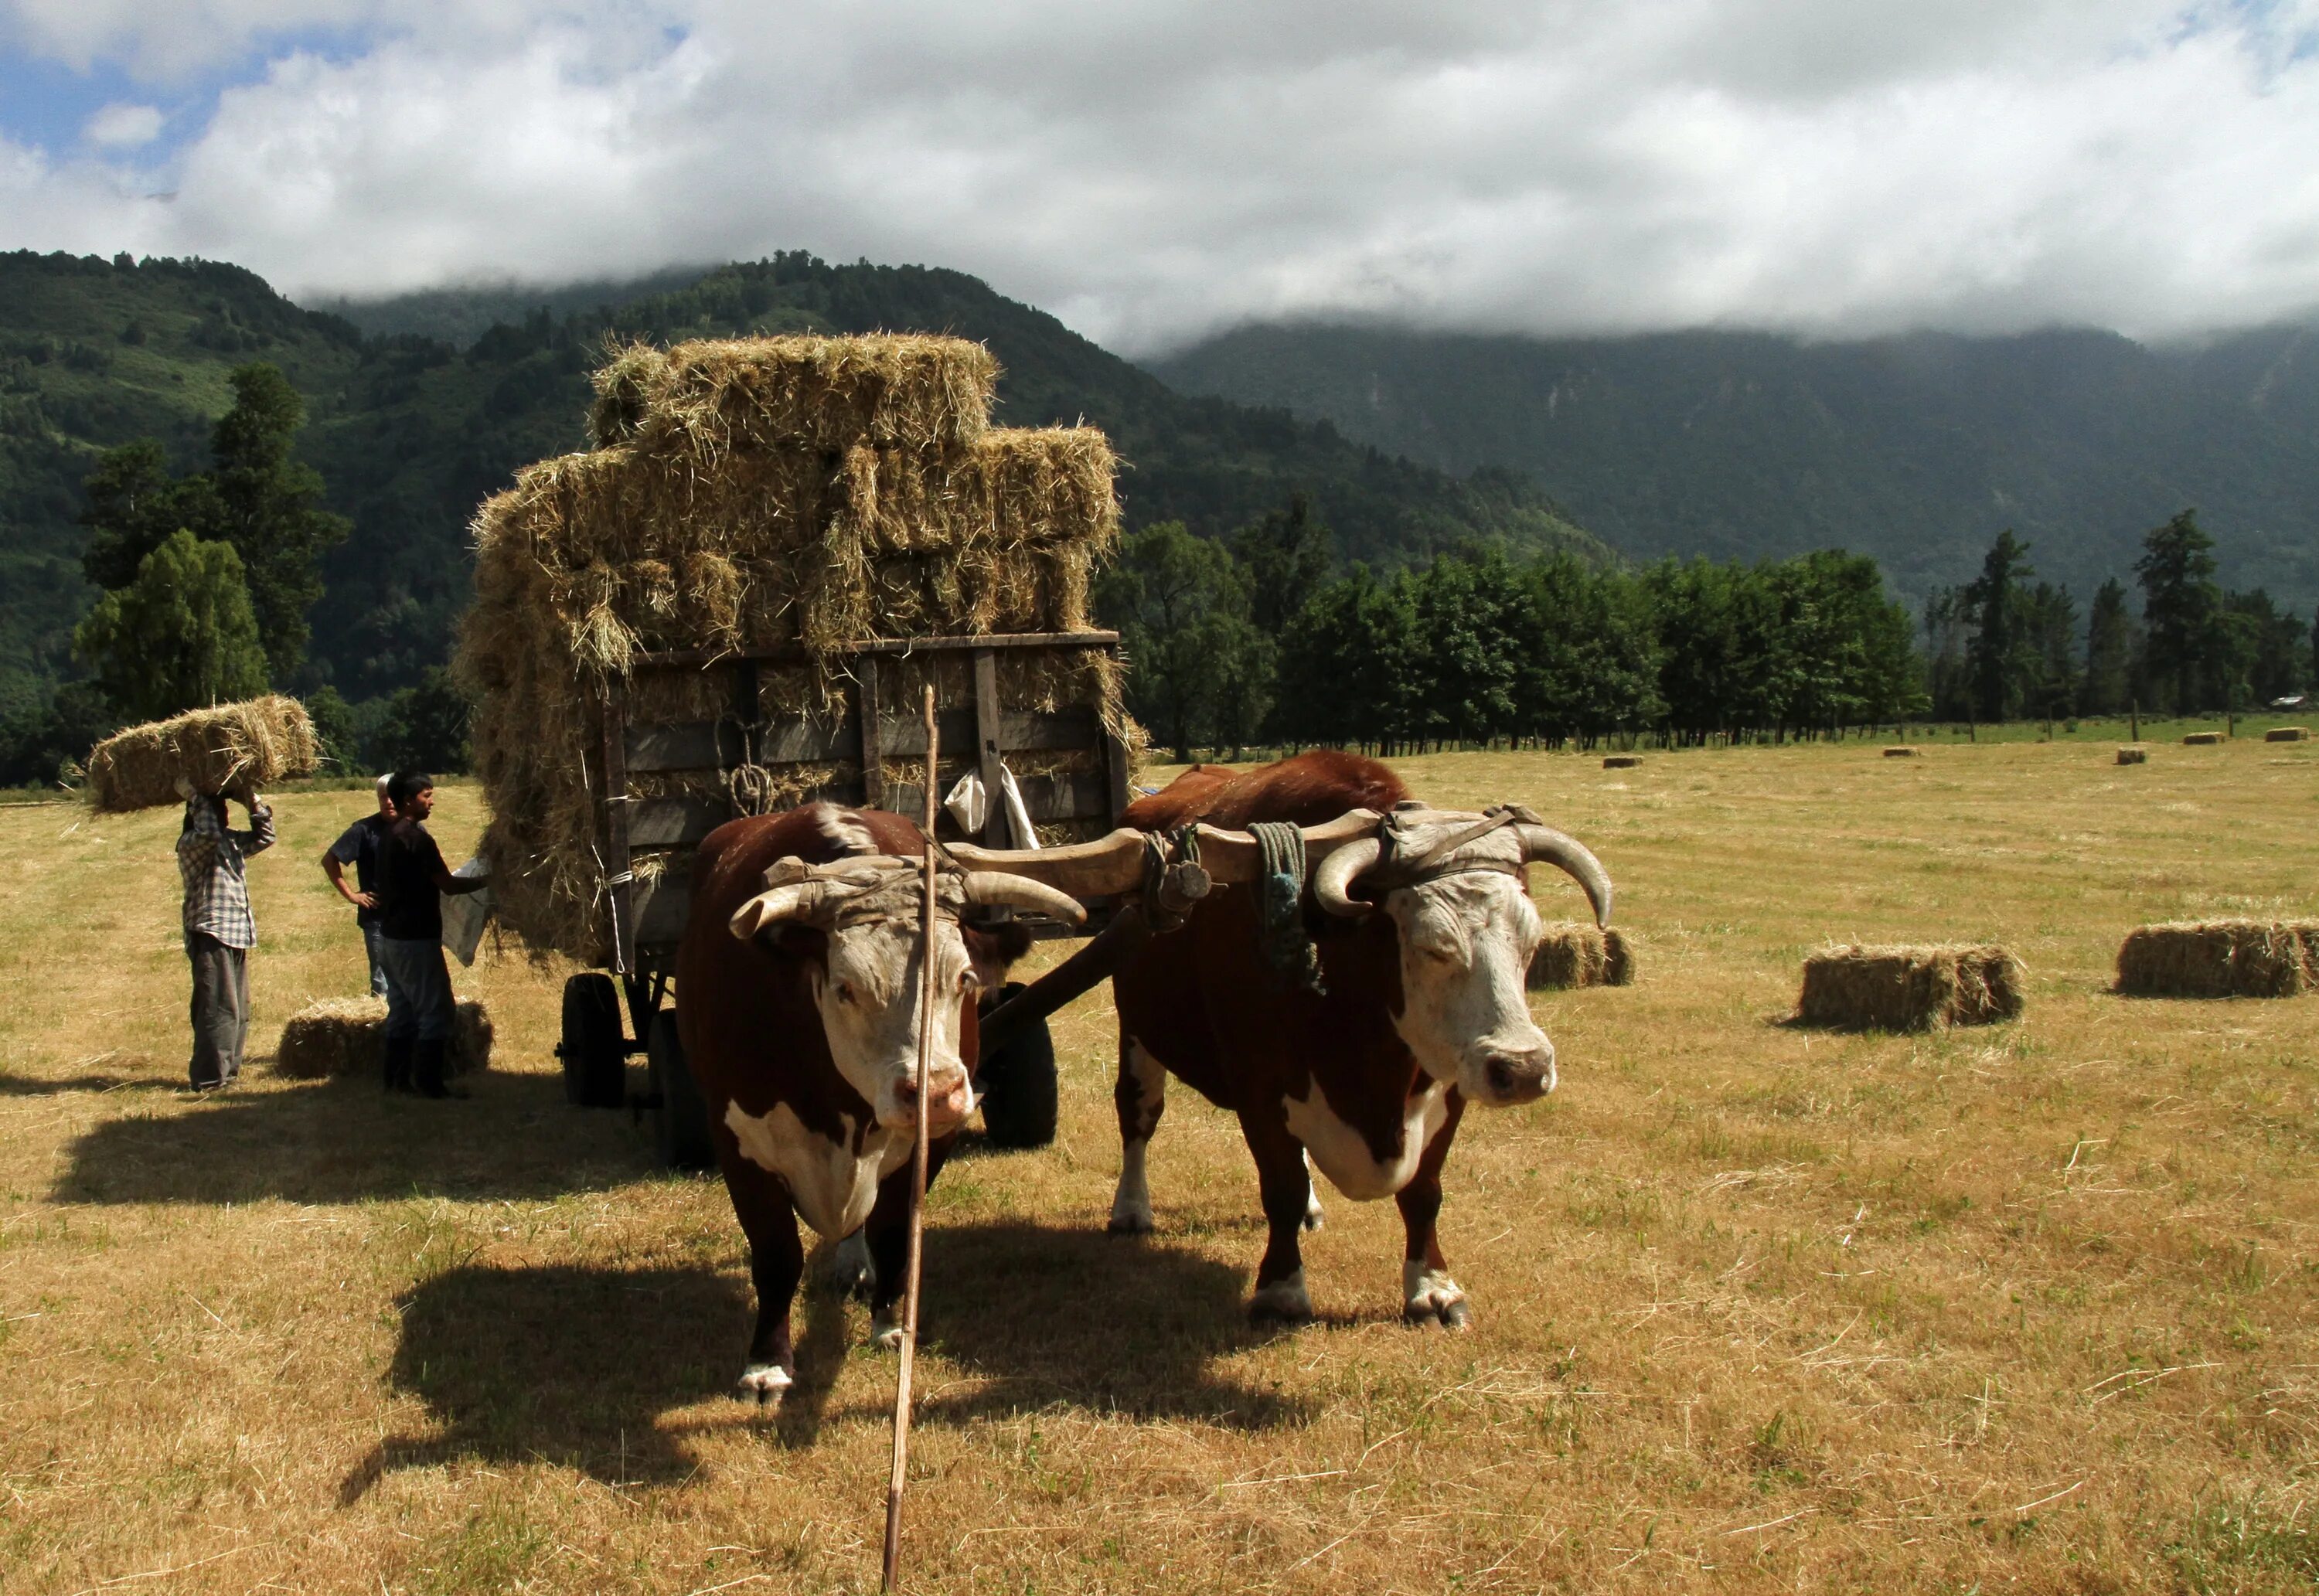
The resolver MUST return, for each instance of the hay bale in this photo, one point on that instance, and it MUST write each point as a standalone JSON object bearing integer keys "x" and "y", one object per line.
{"x": 2202, "y": 739}
{"x": 232, "y": 747}
{"x": 1901, "y": 753}
{"x": 1908, "y": 988}
{"x": 1574, "y": 954}
{"x": 2220, "y": 959}
{"x": 1621, "y": 762}
{"x": 346, "y": 1036}
{"x": 758, "y": 493}
{"x": 2287, "y": 734}
{"x": 2133, "y": 756}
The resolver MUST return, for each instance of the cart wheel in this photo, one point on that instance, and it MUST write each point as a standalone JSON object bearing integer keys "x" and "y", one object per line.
{"x": 594, "y": 1049}
{"x": 680, "y": 1123}
{"x": 1018, "y": 1084}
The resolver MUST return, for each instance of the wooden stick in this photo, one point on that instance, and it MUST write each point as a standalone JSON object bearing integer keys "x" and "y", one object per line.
{"x": 917, "y": 1184}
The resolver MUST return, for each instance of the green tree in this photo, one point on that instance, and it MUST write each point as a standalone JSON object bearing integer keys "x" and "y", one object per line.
{"x": 180, "y": 636}
{"x": 2049, "y": 647}
{"x": 2181, "y": 608}
{"x": 2110, "y": 644}
{"x": 1287, "y": 558}
{"x": 1180, "y": 604}
{"x": 1948, "y": 680}
{"x": 424, "y": 728}
{"x": 2263, "y": 648}
{"x": 1345, "y": 674}
{"x": 2002, "y": 658}
{"x": 270, "y": 509}
{"x": 134, "y": 504}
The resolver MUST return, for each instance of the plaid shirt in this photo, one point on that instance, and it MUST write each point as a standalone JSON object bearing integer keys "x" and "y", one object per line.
{"x": 209, "y": 856}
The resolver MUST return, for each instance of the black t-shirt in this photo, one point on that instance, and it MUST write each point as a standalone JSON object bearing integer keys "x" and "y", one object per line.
{"x": 358, "y": 845}
{"x": 411, "y": 905}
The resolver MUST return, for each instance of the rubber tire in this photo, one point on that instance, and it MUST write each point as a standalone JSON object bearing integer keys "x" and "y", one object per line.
{"x": 1018, "y": 1085}
{"x": 680, "y": 1123}
{"x": 595, "y": 1045}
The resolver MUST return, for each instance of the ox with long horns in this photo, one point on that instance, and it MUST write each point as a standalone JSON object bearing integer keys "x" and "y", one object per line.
{"x": 798, "y": 979}
{"x": 1424, "y": 933}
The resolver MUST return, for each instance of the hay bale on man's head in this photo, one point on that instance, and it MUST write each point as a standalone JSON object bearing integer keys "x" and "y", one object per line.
{"x": 231, "y": 748}
{"x": 2220, "y": 959}
{"x": 2202, "y": 739}
{"x": 2133, "y": 756}
{"x": 1571, "y": 953}
{"x": 347, "y": 1036}
{"x": 1908, "y": 988}
{"x": 2287, "y": 734}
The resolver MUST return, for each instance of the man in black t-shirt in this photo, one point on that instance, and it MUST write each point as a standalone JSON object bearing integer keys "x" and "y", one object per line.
{"x": 358, "y": 846}
{"x": 410, "y": 875}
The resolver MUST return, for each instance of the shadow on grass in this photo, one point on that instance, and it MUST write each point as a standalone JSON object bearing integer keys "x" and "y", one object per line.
{"x": 23, "y": 1086}
{"x": 562, "y": 1364}
{"x": 346, "y": 1140}
{"x": 575, "y": 1366}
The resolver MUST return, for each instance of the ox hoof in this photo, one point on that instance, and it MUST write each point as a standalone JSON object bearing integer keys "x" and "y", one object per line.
{"x": 1129, "y": 1222}
{"x": 1283, "y": 1302}
{"x": 1430, "y": 1298}
{"x": 764, "y": 1384}
{"x": 886, "y": 1334}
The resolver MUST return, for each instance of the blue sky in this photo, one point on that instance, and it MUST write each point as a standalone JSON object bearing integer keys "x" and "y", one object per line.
{"x": 1152, "y": 169}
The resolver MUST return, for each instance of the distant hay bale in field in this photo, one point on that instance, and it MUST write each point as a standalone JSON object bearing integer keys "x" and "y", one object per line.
{"x": 1901, "y": 753}
{"x": 786, "y": 494}
{"x": 2133, "y": 756}
{"x": 2202, "y": 739}
{"x": 1621, "y": 762}
{"x": 233, "y": 746}
{"x": 1574, "y": 954}
{"x": 2287, "y": 734}
{"x": 346, "y": 1035}
{"x": 1910, "y": 989}
{"x": 2220, "y": 959}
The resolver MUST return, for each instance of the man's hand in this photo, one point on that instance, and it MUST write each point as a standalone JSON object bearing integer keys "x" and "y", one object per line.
{"x": 363, "y": 900}
{"x": 183, "y": 788}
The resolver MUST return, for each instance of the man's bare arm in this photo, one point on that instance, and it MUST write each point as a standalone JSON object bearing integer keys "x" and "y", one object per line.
{"x": 337, "y": 874}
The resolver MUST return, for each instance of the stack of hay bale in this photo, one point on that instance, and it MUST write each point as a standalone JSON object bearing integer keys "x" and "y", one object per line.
{"x": 2220, "y": 959}
{"x": 1910, "y": 989}
{"x": 236, "y": 748}
{"x": 801, "y": 492}
{"x": 347, "y": 1036}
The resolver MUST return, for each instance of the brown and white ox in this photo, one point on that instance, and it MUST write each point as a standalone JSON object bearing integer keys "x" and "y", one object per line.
{"x": 798, "y": 981}
{"x": 1424, "y": 944}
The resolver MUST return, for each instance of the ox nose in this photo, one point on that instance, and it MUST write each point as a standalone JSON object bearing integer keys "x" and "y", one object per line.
{"x": 1518, "y": 1076}
{"x": 952, "y": 1098}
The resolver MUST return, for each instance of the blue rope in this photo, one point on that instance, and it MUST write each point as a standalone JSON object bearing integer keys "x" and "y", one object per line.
{"x": 1280, "y": 913}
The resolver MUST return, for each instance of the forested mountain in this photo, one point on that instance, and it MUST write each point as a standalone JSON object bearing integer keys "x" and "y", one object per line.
{"x": 411, "y": 431}
{"x": 1918, "y": 450}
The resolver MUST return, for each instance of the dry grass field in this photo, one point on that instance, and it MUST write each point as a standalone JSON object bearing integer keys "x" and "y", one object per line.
{"x": 2026, "y": 1307}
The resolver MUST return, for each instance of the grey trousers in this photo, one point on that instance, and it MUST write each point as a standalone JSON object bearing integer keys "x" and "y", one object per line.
{"x": 419, "y": 1002}
{"x": 221, "y": 1008}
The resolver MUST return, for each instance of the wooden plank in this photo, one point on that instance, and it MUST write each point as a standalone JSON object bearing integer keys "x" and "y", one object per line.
{"x": 663, "y": 908}
{"x": 718, "y": 745}
{"x": 872, "y": 734}
{"x": 996, "y": 832}
{"x": 616, "y": 863}
{"x": 676, "y": 821}
{"x": 793, "y": 655}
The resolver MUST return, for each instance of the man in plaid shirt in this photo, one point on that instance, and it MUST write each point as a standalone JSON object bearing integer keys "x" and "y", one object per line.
{"x": 218, "y": 930}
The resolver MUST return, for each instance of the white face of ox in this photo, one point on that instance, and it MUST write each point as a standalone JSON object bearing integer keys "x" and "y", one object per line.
{"x": 867, "y": 989}
{"x": 1466, "y": 945}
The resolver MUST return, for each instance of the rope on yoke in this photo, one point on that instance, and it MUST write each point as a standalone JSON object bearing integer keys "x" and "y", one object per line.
{"x": 1280, "y": 911}
{"x": 1163, "y": 909}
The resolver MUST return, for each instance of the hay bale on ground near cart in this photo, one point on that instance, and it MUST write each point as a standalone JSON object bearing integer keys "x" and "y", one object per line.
{"x": 1910, "y": 989}
{"x": 761, "y": 493}
{"x": 2220, "y": 959}
{"x": 2287, "y": 734}
{"x": 1574, "y": 954}
{"x": 230, "y": 747}
{"x": 2202, "y": 739}
{"x": 2133, "y": 756}
{"x": 346, "y": 1036}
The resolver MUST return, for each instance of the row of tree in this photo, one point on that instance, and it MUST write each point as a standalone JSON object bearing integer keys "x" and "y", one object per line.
{"x": 1254, "y": 640}
{"x": 2006, "y": 646}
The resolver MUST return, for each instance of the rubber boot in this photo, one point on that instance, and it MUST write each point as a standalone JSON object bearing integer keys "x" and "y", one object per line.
{"x": 398, "y": 1063}
{"x": 430, "y": 1061}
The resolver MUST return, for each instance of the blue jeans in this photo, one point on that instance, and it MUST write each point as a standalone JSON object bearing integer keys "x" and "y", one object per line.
{"x": 372, "y": 937}
{"x": 418, "y": 990}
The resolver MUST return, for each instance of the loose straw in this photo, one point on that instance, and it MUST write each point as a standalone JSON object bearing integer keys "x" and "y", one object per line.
{"x": 918, "y": 1182}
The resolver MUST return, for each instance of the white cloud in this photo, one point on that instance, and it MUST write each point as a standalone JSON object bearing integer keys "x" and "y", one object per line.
{"x": 124, "y": 126}
{"x": 1152, "y": 170}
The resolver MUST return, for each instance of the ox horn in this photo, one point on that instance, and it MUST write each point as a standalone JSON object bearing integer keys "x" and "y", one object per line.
{"x": 1100, "y": 868}
{"x": 1020, "y": 892}
{"x": 1333, "y": 882}
{"x": 797, "y": 901}
{"x": 1542, "y": 844}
